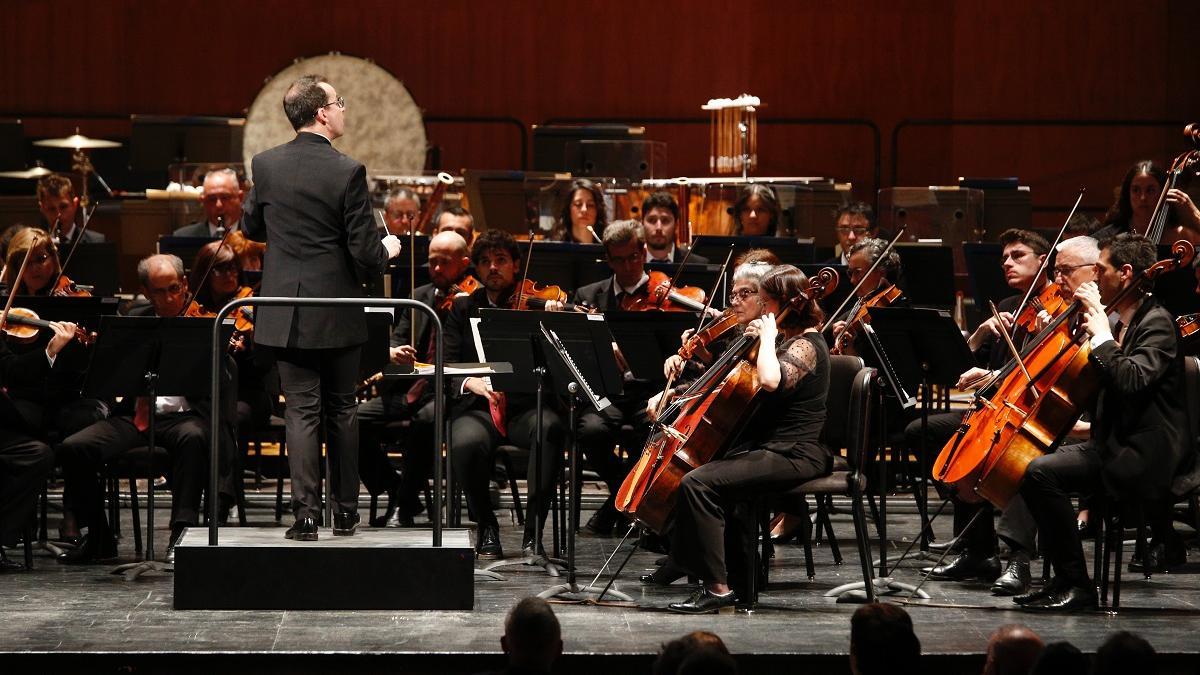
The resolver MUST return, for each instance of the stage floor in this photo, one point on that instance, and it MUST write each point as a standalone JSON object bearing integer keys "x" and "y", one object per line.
{"x": 86, "y": 619}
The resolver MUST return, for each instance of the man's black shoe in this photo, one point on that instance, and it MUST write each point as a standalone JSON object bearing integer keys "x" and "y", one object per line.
{"x": 487, "y": 542}
{"x": 602, "y": 521}
{"x": 704, "y": 602}
{"x": 1073, "y": 599}
{"x": 1034, "y": 597}
{"x": 1160, "y": 558}
{"x": 665, "y": 575}
{"x": 345, "y": 524}
{"x": 7, "y": 565}
{"x": 393, "y": 499}
{"x": 1015, "y": 580}
{"x": 304, "y": 529}
{"x": 93, "y": 548}
{"x": 965, "y": 567}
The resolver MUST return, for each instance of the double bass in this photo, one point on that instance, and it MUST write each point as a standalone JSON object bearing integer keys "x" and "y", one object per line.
{"x": 701, "y": 423}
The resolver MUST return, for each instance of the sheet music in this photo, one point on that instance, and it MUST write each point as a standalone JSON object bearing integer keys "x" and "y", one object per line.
{"x": 479, "y": 348}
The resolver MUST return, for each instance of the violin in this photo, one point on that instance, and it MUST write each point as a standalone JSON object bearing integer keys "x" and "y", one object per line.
{"x": 532, "y": 295}
{"x": 663, "y": 295}
{"x": 466, "y": 286}
{"x": 1189, "y": 326}
{"x": 65, "y": 288}
{"x": 23, "y": 325}
{"x": 701, "y": 423}
{"x": 243, "y": 318}
{"x": 1040, "y": 395}
{"x": 880, "y": 298}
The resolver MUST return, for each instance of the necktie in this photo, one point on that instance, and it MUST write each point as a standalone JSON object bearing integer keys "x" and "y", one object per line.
{"x": 497, "y": 409}
{"x": 141, "y": 414}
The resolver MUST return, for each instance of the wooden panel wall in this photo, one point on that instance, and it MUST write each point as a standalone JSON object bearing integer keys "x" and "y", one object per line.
{"x": 883, "y": 60}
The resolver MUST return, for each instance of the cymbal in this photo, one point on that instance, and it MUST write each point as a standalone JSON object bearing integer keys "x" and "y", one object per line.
{"x": 77, "y": 142}
{"x": 35, "y": 172}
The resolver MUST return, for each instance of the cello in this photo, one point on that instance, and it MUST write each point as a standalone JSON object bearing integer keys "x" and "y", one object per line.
{"x": 700, "y": 424}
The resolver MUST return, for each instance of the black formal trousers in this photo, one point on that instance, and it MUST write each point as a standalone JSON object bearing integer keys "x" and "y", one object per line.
{"x": 597, "y": 437}
{"x": 376, "y": 470}
{"x": 25, "y": 463}
{"x": 183, "y": 435}
{"x": 318, "y": 389}
{"x": 474, "y": 438}
{"x": 708, "y": 494}
{"x": 1049, "y": 482}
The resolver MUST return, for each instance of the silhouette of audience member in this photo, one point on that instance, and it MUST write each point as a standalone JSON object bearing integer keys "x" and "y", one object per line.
{"x": 1060, "y": 658}
{"x": 882, "y": 641}
{"x": 532, "y": 638}
{"x": 672, "y": 654}
{"x": 1012, "y": 650}
{"x": 1124, "y": 653}
{"x": 708, "y": 661}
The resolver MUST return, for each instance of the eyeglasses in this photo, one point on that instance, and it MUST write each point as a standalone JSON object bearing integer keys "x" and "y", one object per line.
{"x": 215, "y": 197}
{"x": 225, "y": 268}
{"x": 340, "y": 103}
{"x": 174, "y": 289}
{"x": 406, "y": 215}
{"x": 858, "y": 231}
{"x": 740, "y": 295}
{"x": 1064, "y": 270}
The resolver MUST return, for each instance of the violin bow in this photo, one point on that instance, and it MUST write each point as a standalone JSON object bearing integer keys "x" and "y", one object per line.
{"x": 212, "y": 262}
{"x": 87, "y": 220}
{"x": 12, "y": 292}
{"x": 870, "y": 270}
{"x": 1012, "y": 348}
{"x": 524, "y": 273}
{"x": 1042, "y": 268}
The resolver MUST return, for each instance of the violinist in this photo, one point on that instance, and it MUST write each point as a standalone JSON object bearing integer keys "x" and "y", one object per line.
{"x": 181, "y": 427}
{"x": 862, "y": 255}
{"x": 221, "y": 195}
{"x": 660, "y": 216}
{"x": 483, "y": 417}
{"x": 458, "y": 220}
{"x": 59, "y": 204}
{"x": 412, "y": 399}
{"x": 777, "y": 449}
{"x": 1137, "y": 438}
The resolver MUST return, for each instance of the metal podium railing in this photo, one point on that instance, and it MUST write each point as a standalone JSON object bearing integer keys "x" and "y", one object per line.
{"x": 218, "y": 349}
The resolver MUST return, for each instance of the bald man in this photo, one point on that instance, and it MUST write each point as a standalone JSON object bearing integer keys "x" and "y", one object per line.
{"x": 1012, "y": 650}
{"x": 410, "y": 399}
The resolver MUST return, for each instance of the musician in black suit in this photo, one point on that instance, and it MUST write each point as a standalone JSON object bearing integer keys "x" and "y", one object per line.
{"x": 24, "y": 461}
{"x": 311, "y": 205}
{"x": 411, "y": 341}
{"x": 221, "y": 196}
{"x": 853, "y": 222}
{"x": 482, "y": 417}
{"x": 660, "y": 216}
{"x": 60, "y": 207}
{"x": 1138, "y": 429}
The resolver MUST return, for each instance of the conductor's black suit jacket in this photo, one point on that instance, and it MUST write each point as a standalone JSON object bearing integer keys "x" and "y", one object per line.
{"x": 311, "y": 205}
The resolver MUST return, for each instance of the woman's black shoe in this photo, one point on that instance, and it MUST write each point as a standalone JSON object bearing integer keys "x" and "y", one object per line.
{"x": 705, "y": 602}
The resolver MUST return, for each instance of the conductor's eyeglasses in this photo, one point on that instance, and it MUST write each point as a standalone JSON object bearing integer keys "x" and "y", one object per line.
{"x": 340, "y": 102}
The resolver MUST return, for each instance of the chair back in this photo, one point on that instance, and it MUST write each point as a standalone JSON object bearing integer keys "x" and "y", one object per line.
{"x": 842, "y": 372}
{"x": 862, "y": 416}
{"x": 1188, "y": 480}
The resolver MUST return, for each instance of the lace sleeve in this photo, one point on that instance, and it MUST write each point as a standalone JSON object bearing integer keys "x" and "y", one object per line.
{"x": 796, "y": 361}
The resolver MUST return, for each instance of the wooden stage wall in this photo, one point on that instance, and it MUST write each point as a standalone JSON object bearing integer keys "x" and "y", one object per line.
{"x": 882, "y": 60}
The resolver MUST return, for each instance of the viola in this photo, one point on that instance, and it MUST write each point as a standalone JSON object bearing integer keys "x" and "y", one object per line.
{"x": 880, "y": 298}
{"x": 65, "y": 288}
{"x": 661, "y": 295}
{"x": 23, "y": 325}
{"x": 532, "y": 295}
{"x": 1034, "y": 406}
{"x": 701, "y": 423}
{"x": 1049, "y": 299}
{"x": 697, "y": 343}
{"x": 1189, "y": 326}
{"x": 466, "y": 286}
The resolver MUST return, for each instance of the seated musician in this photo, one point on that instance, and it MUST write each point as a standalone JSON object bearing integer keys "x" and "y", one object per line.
{"x": 660, "y": 215}
{"x": 863, "y": 254}
{"x": 777, "y": 449}
{"x": 1022, "y": 256}
{"x": 756, "y": 212}
{"x": 25, "y": 462}
{"x": 458, "y": 220}
{"x": 181, "y": 428}
{"x": 1138, "y": 426}
{"x": 401, "y": 208}
{"x": 624, "y": 250}
{"x": 221, "y": 195}
{"x": 409, "y": 399}
{"x": 58, "y": 204}
{"x": 483, "y": 417}
{"x": 853, "y": 223}
{"x": 583, "y": 208}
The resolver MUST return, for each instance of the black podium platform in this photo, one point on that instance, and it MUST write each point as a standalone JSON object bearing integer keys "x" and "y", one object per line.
{"x": 389, "y": 568}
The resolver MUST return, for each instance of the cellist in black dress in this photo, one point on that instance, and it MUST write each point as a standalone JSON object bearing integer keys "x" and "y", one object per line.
{"x": 776, "y": 450}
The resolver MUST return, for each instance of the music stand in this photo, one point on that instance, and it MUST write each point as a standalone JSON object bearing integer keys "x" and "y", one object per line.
{"x": 96, "y": 264}
{"x": 791, "y": 250}
{"x": 647, "y": 339}
{"x": 924, "y": 269}
{"x": 924, "y": 347}
{"x": 151, "y": 356}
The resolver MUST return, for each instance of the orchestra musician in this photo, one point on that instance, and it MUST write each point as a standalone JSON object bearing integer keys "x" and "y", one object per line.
{"x": 777, "y": 449}
{"x": 312, "y": 206}
{"x": 1137, "y": 438}
{"x": 458, "y": 220}
{"x": 401, "y": 208}
{"x": 862, "y": 255}
{"x": 756, "y": 212}
{"x": 412, "y": 400}
{"x": 583, "y": 208}
{"x": 59, "y": 204}
{"x": 853, "y": 222}
{"x": 660, "y": 216}
{"x": 221, "y": 196}
{"x": 482, "y": 417}
{"x": 1136, "y": 198}
{"x": 1022, "y": 256}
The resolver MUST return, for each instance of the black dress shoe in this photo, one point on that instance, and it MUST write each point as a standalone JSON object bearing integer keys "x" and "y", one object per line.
{"x": 304, "y": 529}
{"x": 1015, "y": 580}
{"x": 967, "y": 566}
{"x": 487, "y": 542}
{"x": 7, "y": 565}
{"x": 393, "y": 499}
{"x": 93, "y": 548}
{"x": 345, "y": 524}
{"x": 704, "y": 602}
{"x": 665, "y": 575}
{"x": 602, "y": 521}
{"x": 1033, "y": 597}
{"x": 1159, "y": 558}
{"x": 1073, "y": 599}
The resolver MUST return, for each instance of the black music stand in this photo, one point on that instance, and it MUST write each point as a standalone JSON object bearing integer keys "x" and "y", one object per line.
{"x": 151, "y": 356}
{"x": 924, "y": 347}
{"x": 516, "y": 337}
{"x": 647, "y": 338}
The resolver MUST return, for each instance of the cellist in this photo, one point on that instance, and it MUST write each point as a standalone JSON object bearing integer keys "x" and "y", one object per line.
{"x": 777, "y": 449}
{"x": 1139, "y": 419}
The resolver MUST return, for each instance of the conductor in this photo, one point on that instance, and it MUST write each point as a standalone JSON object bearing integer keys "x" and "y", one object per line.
{"x": 311, "y": 205}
